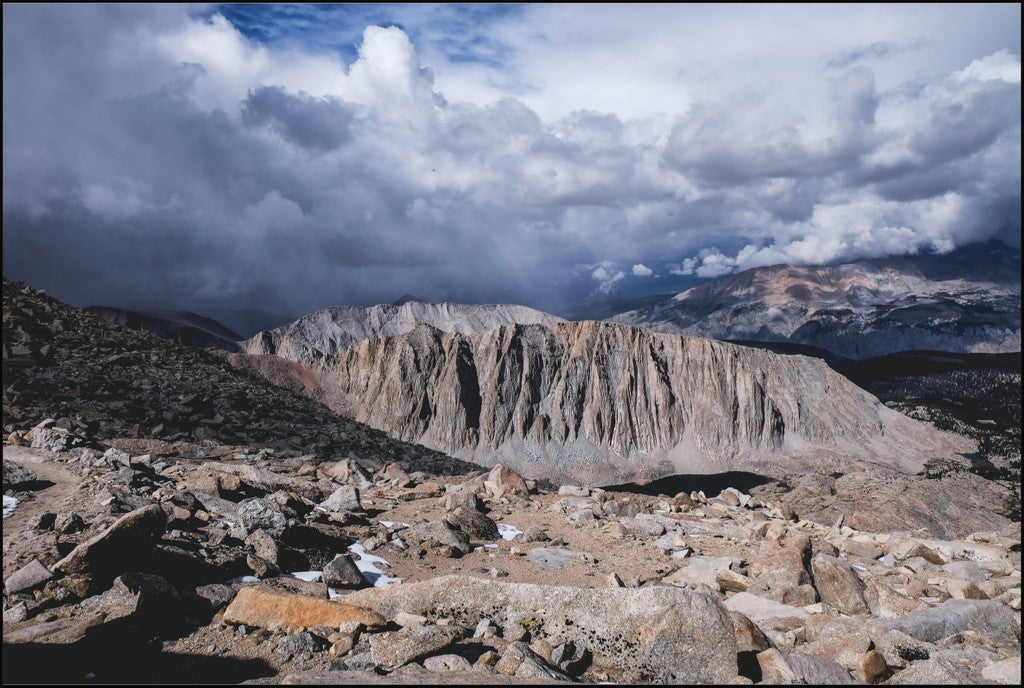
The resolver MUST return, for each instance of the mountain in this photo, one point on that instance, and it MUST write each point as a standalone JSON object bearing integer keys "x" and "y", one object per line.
{"x": 332, "y": 330}
{"x": 183, "y": 327}
{"x": 597, "y": 402}
{"x": 68, "y": 364}
{"x": 964, "y": 301}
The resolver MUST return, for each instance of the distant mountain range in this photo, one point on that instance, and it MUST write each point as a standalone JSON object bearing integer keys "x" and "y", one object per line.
{"x": 964, "y": 301}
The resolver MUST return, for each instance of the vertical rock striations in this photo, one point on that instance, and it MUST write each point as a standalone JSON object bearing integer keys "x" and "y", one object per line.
{"x": 596, "y": 401}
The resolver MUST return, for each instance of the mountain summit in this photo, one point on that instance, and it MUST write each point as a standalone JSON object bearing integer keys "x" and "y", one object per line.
{"x": 964, "y": 301}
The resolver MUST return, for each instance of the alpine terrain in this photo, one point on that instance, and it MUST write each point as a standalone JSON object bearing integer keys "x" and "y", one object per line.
{"x": 964, "y": 301}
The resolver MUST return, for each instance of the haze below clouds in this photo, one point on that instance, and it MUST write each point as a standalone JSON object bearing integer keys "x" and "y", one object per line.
{"x": 285, "y": 158}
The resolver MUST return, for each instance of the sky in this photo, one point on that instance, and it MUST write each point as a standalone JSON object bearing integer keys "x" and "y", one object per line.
{"x": 282, "y": 158}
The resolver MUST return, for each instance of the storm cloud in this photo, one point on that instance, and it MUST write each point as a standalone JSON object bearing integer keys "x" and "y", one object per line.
{"x": 168, "y": 156}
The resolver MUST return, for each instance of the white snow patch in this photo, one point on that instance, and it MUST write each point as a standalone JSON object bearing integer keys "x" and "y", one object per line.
{"x": 367, "y": 565}
{"x": 392, "y": 524}
{"x": 308, "y": 576}
{"x": 491, "y": 545}
{"x": 244, "y": 579}
{"x": 508, "y": 531}
{"x": 10, "y": 504}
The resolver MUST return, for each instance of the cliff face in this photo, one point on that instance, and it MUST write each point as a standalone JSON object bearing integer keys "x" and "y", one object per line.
{"x": 594, "y": 402}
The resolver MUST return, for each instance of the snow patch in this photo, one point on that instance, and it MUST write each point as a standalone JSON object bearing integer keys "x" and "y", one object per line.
{"x": 367, "y": 565}
{"x": 308, "y": 576}
{"x": 10, "y": 504}
{"x": 508, "y": 531}
{"x": 243, "y": 579}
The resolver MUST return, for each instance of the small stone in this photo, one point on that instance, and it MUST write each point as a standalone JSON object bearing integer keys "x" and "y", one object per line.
{"x": 299, "y": 645}
{"x": 449, "y": 662}
{"x": 482, "y": 627}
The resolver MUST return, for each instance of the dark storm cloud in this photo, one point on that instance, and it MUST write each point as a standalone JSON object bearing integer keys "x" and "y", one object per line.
{"x": 157, "y": 158}
{"x": 316, "y": 123}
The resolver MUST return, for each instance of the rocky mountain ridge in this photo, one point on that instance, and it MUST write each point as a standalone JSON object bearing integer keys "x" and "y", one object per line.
{"x": 599, "y": 402}
{"x": 332, "y": 330}
{"x": 183, "y": 327}
{"x": 968, "y": 301}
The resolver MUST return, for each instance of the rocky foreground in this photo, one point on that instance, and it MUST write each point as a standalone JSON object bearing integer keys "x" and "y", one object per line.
{"x": 169, "y": 517}
{"x": 254, "y": 567}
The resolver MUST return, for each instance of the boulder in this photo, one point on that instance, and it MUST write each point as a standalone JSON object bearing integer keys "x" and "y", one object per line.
{"x": 838, "y": 585}
{"x": 502, "y": 482}
{"x": 991, "y": 620}
{"x": 887, "y": 603}
{"x": 845, "y": 649}
{"x": 1006, "y": 672}
{"x": 126, "y": 545}
{"x": 144, "y": 597}
{"x": 442, "y": 663}
{"x": 461, "y": 497}
{"x": 348, "y": 471}
{"x": 871, "y": 667}
{"x": 391, "y": 650}
{"x": 935, "y": 671}
{"x": 16, "y": 474}
{"x": 55, "y": 439}
{"x": 343, "y": 573}
{"x": 268, "y": 608}
{"x": 31, "y": 575}
{"x": 262, "y": 513}
{"x": 701, "y": 570}
{"x": 522, "y": 662}
{"x": 779, "y": 667}
{"x": 345, "y": 498}
{"x": 535, "y": 534}
{"x": 642, "y": 526}
{"x": 656, "y": 634}
{"x": 473, "y": 523}
{"x": 440, "y": 532}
